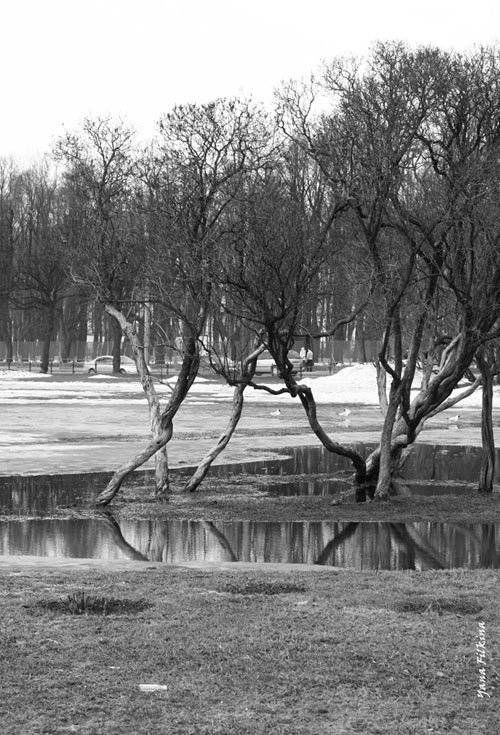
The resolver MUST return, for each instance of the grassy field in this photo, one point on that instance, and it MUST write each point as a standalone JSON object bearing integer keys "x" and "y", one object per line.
{"x": 249, "y": 652}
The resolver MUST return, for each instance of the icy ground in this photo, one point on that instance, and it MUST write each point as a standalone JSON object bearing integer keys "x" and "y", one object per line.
{"x": 354, "y": 384}
{"x": 79, "y": 423}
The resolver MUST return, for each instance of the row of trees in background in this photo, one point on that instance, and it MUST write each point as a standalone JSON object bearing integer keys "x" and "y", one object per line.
{"x": 370, "y": 198}
{"x": 96, "y": 218}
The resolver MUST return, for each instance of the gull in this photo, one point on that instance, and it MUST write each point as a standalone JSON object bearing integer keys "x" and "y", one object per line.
{"x": 345, "y": 413}
{"x": 454, "y": 419}
{"x": 276, "y": 413}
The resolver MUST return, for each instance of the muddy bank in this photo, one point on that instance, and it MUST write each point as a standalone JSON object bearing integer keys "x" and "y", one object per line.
{"x": 33, "y": 564}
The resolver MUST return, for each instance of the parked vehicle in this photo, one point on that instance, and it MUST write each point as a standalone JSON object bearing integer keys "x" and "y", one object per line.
{"x": 104, "y": 366}
{"x": 266, "y": 363}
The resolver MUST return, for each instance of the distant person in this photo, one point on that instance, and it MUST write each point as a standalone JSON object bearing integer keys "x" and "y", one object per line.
{"x": 302, "y": 355}
{"x": 309, "y": 361}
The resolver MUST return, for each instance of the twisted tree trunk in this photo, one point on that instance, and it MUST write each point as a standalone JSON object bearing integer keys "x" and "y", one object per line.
{"x": 385, "y": 464}
{"x": 116, "y": 481}
{"x": 161, "y": 458}
{"x": 195, "y": 481}
{"x": 161, "y": 421}
{"x": 246, "y": 375}
{"x": 487, "y": 473}
{"x": 309, "y": 404}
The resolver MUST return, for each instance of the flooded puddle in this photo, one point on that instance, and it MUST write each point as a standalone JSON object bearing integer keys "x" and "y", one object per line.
{"x": 393, "y": 546}
{"x": 304, "y": 471}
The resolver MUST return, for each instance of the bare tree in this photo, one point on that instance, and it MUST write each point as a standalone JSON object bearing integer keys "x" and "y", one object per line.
{"x": 99, "y": 178}
{"x": 412, "y": 141}
{"x": 42, "y": 263}
{"x": 9, "y": 205}
{"x": 106, "y": 241}
{"x": 195, "y": 175}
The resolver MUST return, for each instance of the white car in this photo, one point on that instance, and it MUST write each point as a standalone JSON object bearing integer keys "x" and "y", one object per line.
{"x": 266, "y": 363}
{"x": 104, "y": 365}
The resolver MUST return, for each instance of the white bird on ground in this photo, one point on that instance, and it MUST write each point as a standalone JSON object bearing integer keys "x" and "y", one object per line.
{"x": 276, "y": 413}
{"x": 345, "y": 413}
{"x": 454, "y": 419}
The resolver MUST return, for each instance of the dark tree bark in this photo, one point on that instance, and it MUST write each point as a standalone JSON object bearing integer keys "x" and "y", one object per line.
{"x": 385, "y": 464}
{"x": 117, "y": 344}
{"x": 306, "y": 397}
{"x": 487, "y": 473}
{"x": 49, "y": 315}
{"x": 74, "y": 327}
{"x": 6, "y": 328}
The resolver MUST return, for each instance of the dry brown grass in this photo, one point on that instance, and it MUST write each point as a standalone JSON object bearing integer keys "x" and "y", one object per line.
{"x": 253, "y": 653}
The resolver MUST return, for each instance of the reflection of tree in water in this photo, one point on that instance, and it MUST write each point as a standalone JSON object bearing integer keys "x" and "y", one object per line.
{"x": 226, "y": 546}
{"x": 483, "y": 537}
{"x": 29, "y": 494}
{"x": 442, "y": 463}
{"x": 384, "y": 538}
{"x": 356, "y": 545}
{"x": 336, "y": 541}
{"x": 488, "y": 554}
{"x": 399, "y": 536}
{"x": 186, "y": 540}
{"x": 116, "y": 533}
{"x": 167, "y": 538}
{"x": 416, "y": 546}
{"x": 168, "y": 541}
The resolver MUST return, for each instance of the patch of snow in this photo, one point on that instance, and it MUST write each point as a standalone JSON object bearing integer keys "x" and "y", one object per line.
{"x": 356, "y": 384}
{"x": 100, "y": 376}
{"x": 20, "y": 374}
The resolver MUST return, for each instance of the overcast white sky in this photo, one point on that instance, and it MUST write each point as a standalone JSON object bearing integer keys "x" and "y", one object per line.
{"x": 63, "y": 60}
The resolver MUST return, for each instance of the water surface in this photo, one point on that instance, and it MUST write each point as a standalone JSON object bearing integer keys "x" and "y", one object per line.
{"x": 355, "y": 545}
{"x": 303, "y": 471}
